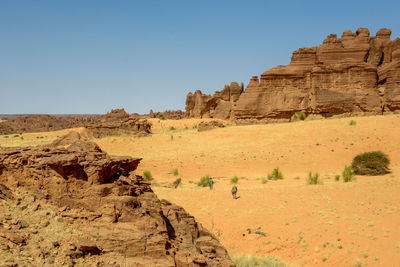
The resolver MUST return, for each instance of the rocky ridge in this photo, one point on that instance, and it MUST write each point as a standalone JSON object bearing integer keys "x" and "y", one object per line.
{"x": 354, "y": 73}
{"x": 78, "y": 205}
{"x": 116, "y": 122}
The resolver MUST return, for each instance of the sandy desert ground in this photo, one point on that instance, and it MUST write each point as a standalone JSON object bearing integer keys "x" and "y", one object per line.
{"x": 332, "y": 224}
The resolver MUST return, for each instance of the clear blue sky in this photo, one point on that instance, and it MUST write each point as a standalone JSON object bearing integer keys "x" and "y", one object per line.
{"x": 92, "y": 56}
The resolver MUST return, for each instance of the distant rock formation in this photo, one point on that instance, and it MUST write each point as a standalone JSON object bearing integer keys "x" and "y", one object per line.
{"x": 115, "y": 123}
{"x": 354, "y": 73}
{"x": 105, "y": 213}
{"x": 220, "y": 105}
{"x": 168, "y": 114}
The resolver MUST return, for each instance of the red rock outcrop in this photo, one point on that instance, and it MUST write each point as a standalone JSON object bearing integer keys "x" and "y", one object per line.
{"x": 219, "y": 106}
{"x": 354, "y": 73}
{"x": 117, "y": 122}
{"x": 168, "y": 114}
{"x": 99, "y": 211}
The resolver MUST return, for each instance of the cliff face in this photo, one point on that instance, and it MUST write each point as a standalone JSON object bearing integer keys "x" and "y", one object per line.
{"x": 101, "y": 213}
{"x": 354, "y": 73}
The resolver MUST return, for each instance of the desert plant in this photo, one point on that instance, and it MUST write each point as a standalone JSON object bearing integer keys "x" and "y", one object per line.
{"x": 299, "y": 116}
{"x": 175, "y": 172}
{"x": 234, "y": 180}
{"x": 251, "y": 261}
{"x": 172, "y": 128}
{"x": 276, "y": 174}
{"x": 162, "y": 118}
{"x": 177, "y": 182}
{"x": 348, "y": 174}
{"x": 313, "y": 179}
{"x": 352, "y": 123}
{"x": 204, "y": 181}
{"x": 264, "y": 180}
{"x": 337, "y": 177}
{"x": 371, "y": 163}
{"x": 147, "y": 175}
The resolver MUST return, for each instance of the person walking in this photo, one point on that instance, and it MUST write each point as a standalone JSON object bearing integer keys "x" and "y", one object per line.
{"x": 234, "y": 191}
{"x": 211, "y": 182}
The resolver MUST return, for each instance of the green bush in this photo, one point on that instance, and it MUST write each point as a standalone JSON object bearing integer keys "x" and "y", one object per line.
{"x": 177, "y": 182}
{"x": 348, "y": 174}
{"x": 337, "y": 177}
{"x": 371, "y": 163}
{"x": 276, "y": 174}
{"x": 162, "y": 118}
{"x": 313, "y": 179}
{"x": 234, "y": 180}
{"x": 204, "y": 181}
{"x": 172, "y": 128}
{"x": 147, "y": 176}
{"x": 175, "y": 172}
{"x": 352, "y": 123}
{"x": 299, "y": 116}
{"x": 254, "y": 261}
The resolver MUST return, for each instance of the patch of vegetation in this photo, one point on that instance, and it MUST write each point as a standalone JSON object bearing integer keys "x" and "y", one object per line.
{"x": 204, "y": 181}
{"x": 162, "y": 118}
{"x": 177, "y": 182}
{"x": 371, "y": 163}
{"x": 352, "y": 123}
{"x": 6, "y": 136}
{"x": 348, "y": 174}
{"x": 313, "y": 179}
{"x": 337, "y": 177}
{"x": 22, "y": 138}
{"x": 276, "y": 174}
{"x": 17, "y": 135}
{"x": 354, "y": 115}
{"x": 234, "y": 180}
{"x": 147, "y": 175}
{"x": 172, "y": 128}
{"x": 299, "y": 116}
{"x": 264, "y": 180}
{"x": 251, "y": 261}
{"x": 174, "y": 172}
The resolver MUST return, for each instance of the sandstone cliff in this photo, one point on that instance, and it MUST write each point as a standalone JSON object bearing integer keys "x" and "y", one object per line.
{"x": 78, "y": 205}
{"x": 354, "y": 73}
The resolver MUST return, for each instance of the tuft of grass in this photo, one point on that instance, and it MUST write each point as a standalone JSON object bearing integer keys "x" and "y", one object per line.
{"x": 313, "y": 179}
{"x": 175, "y": 172}
{"x": 352, "y": 123}
{"x": 204, "y": 181}
{"x": 251, "y": 261}
{"x": 264, "y": 180}
{"x": 348, "y": 174}
{"x": 177, "y": 182}
{"x": 337, "y": 177}
{"x": 276, "y": 174}
{"x": 147, "y": 175}
{"x": 371, "y": 163}
{"x": 162, "y": 118}
{"x": 299, "y": 116}
{"x": 234, "y": 180}
{"x": 172, "y": 128}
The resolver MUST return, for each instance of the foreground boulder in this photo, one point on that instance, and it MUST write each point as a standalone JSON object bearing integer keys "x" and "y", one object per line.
{"x": 109, "y": 215}
{"x": 354, "y": 73}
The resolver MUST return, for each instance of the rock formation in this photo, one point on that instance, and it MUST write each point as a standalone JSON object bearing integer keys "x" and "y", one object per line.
{"x": 168, "y": 114}
{"x": 354, "y": 73}
{"x": 82, "y": 206}
{"x": 209, "y": 125}
{"x": 219, "y": 106}
{"x": 117, "y": 122}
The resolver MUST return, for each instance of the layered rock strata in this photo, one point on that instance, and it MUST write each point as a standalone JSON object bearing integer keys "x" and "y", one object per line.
{"x": 99, "y": 210}
{"x": 354, "y": 73}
